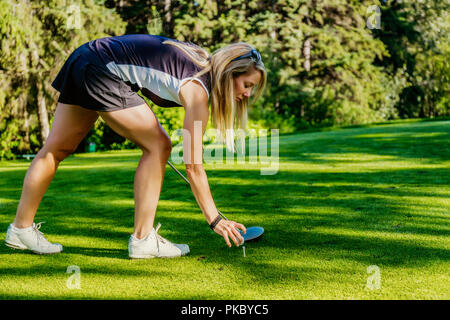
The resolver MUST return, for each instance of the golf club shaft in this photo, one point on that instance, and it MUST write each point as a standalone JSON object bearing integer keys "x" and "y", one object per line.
{"x": 187, "y": 181}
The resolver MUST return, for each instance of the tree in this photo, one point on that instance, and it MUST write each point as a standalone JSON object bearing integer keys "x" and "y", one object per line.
{"x": 36, "y": 39}
{"x": 416, "y": 35}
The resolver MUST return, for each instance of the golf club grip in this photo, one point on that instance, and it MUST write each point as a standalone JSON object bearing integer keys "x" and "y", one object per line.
{"x": 187, "y": 181}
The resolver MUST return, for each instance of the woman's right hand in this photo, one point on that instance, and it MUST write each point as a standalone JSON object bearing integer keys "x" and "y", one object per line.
{"x": 229, "y": 229}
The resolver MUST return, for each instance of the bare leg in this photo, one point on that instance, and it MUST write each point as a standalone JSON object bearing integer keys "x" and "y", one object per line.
{"x": 140, "y": 125}
{"x": 70, "y": 125}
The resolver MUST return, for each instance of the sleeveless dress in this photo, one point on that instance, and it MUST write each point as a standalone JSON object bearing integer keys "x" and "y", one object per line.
{"x": 106, "y": 74}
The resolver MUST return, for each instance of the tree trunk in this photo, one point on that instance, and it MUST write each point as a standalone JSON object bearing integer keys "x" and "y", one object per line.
{"x": 42, "y": 113}
{"x": 167, "y": 18}
{"x": 307, "y": 55}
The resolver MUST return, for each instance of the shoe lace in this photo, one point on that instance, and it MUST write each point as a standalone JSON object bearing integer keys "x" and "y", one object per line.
{"x": 39, "y": 235}
{"x": 160, "y": 238}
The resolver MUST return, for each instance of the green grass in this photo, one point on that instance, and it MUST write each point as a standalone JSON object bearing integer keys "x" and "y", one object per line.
{"x": 343, "y": 200}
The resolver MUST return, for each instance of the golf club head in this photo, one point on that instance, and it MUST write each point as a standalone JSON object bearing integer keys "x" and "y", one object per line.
{"x": 253, "y": 234}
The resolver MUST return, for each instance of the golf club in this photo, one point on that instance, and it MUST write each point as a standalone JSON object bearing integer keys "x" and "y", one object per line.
{"x": 252, "y": 234}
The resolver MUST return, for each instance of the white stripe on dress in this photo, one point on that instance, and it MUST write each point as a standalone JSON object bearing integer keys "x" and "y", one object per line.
{"x": 160, "y": 83}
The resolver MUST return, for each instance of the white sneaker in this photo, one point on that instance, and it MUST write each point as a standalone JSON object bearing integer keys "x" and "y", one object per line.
{"x": 154, "y": 245}
{"x": 30, "y": 239}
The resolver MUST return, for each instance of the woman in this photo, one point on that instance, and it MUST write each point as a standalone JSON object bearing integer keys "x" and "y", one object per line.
{"x": 101, "y": 78}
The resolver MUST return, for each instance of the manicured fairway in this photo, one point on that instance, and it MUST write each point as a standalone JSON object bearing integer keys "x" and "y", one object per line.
{"x": 342, "y": 201}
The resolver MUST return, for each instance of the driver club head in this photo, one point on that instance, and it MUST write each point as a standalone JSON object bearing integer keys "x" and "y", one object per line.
{"x": 253, "y": 234}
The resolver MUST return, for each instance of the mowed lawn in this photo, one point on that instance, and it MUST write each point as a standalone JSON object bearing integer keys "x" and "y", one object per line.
{"x": 353, "y": 213}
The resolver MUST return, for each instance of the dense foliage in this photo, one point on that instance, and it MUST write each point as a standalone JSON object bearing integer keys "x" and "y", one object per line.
{"x": 331, "y": 62}
{"x": 36, "y": 38}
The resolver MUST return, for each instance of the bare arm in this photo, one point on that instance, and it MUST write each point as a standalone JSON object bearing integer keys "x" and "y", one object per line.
{"x": 195, "y": 102}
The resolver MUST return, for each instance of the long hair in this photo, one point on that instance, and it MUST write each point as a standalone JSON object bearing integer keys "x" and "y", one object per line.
{"x": 227, "y": 114}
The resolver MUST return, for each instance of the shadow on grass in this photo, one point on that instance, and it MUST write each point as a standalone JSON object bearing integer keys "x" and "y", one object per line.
{"x": 90, "y": 252}
{"x": 60, "y": 269}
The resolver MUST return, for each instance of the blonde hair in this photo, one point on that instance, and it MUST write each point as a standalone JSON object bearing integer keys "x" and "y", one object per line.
{"x": 227, "y": 114}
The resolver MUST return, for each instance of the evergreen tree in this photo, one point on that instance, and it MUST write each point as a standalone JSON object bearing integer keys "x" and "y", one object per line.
{"x": 416, "y": 35}
{"x": 36, "y": 38}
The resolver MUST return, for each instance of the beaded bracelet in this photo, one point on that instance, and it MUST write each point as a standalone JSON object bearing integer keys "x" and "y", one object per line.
{"x": 215, "y": 222}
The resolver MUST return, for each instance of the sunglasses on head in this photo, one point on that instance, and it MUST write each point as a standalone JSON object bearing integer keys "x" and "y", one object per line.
{"x": 253, "y": 54}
